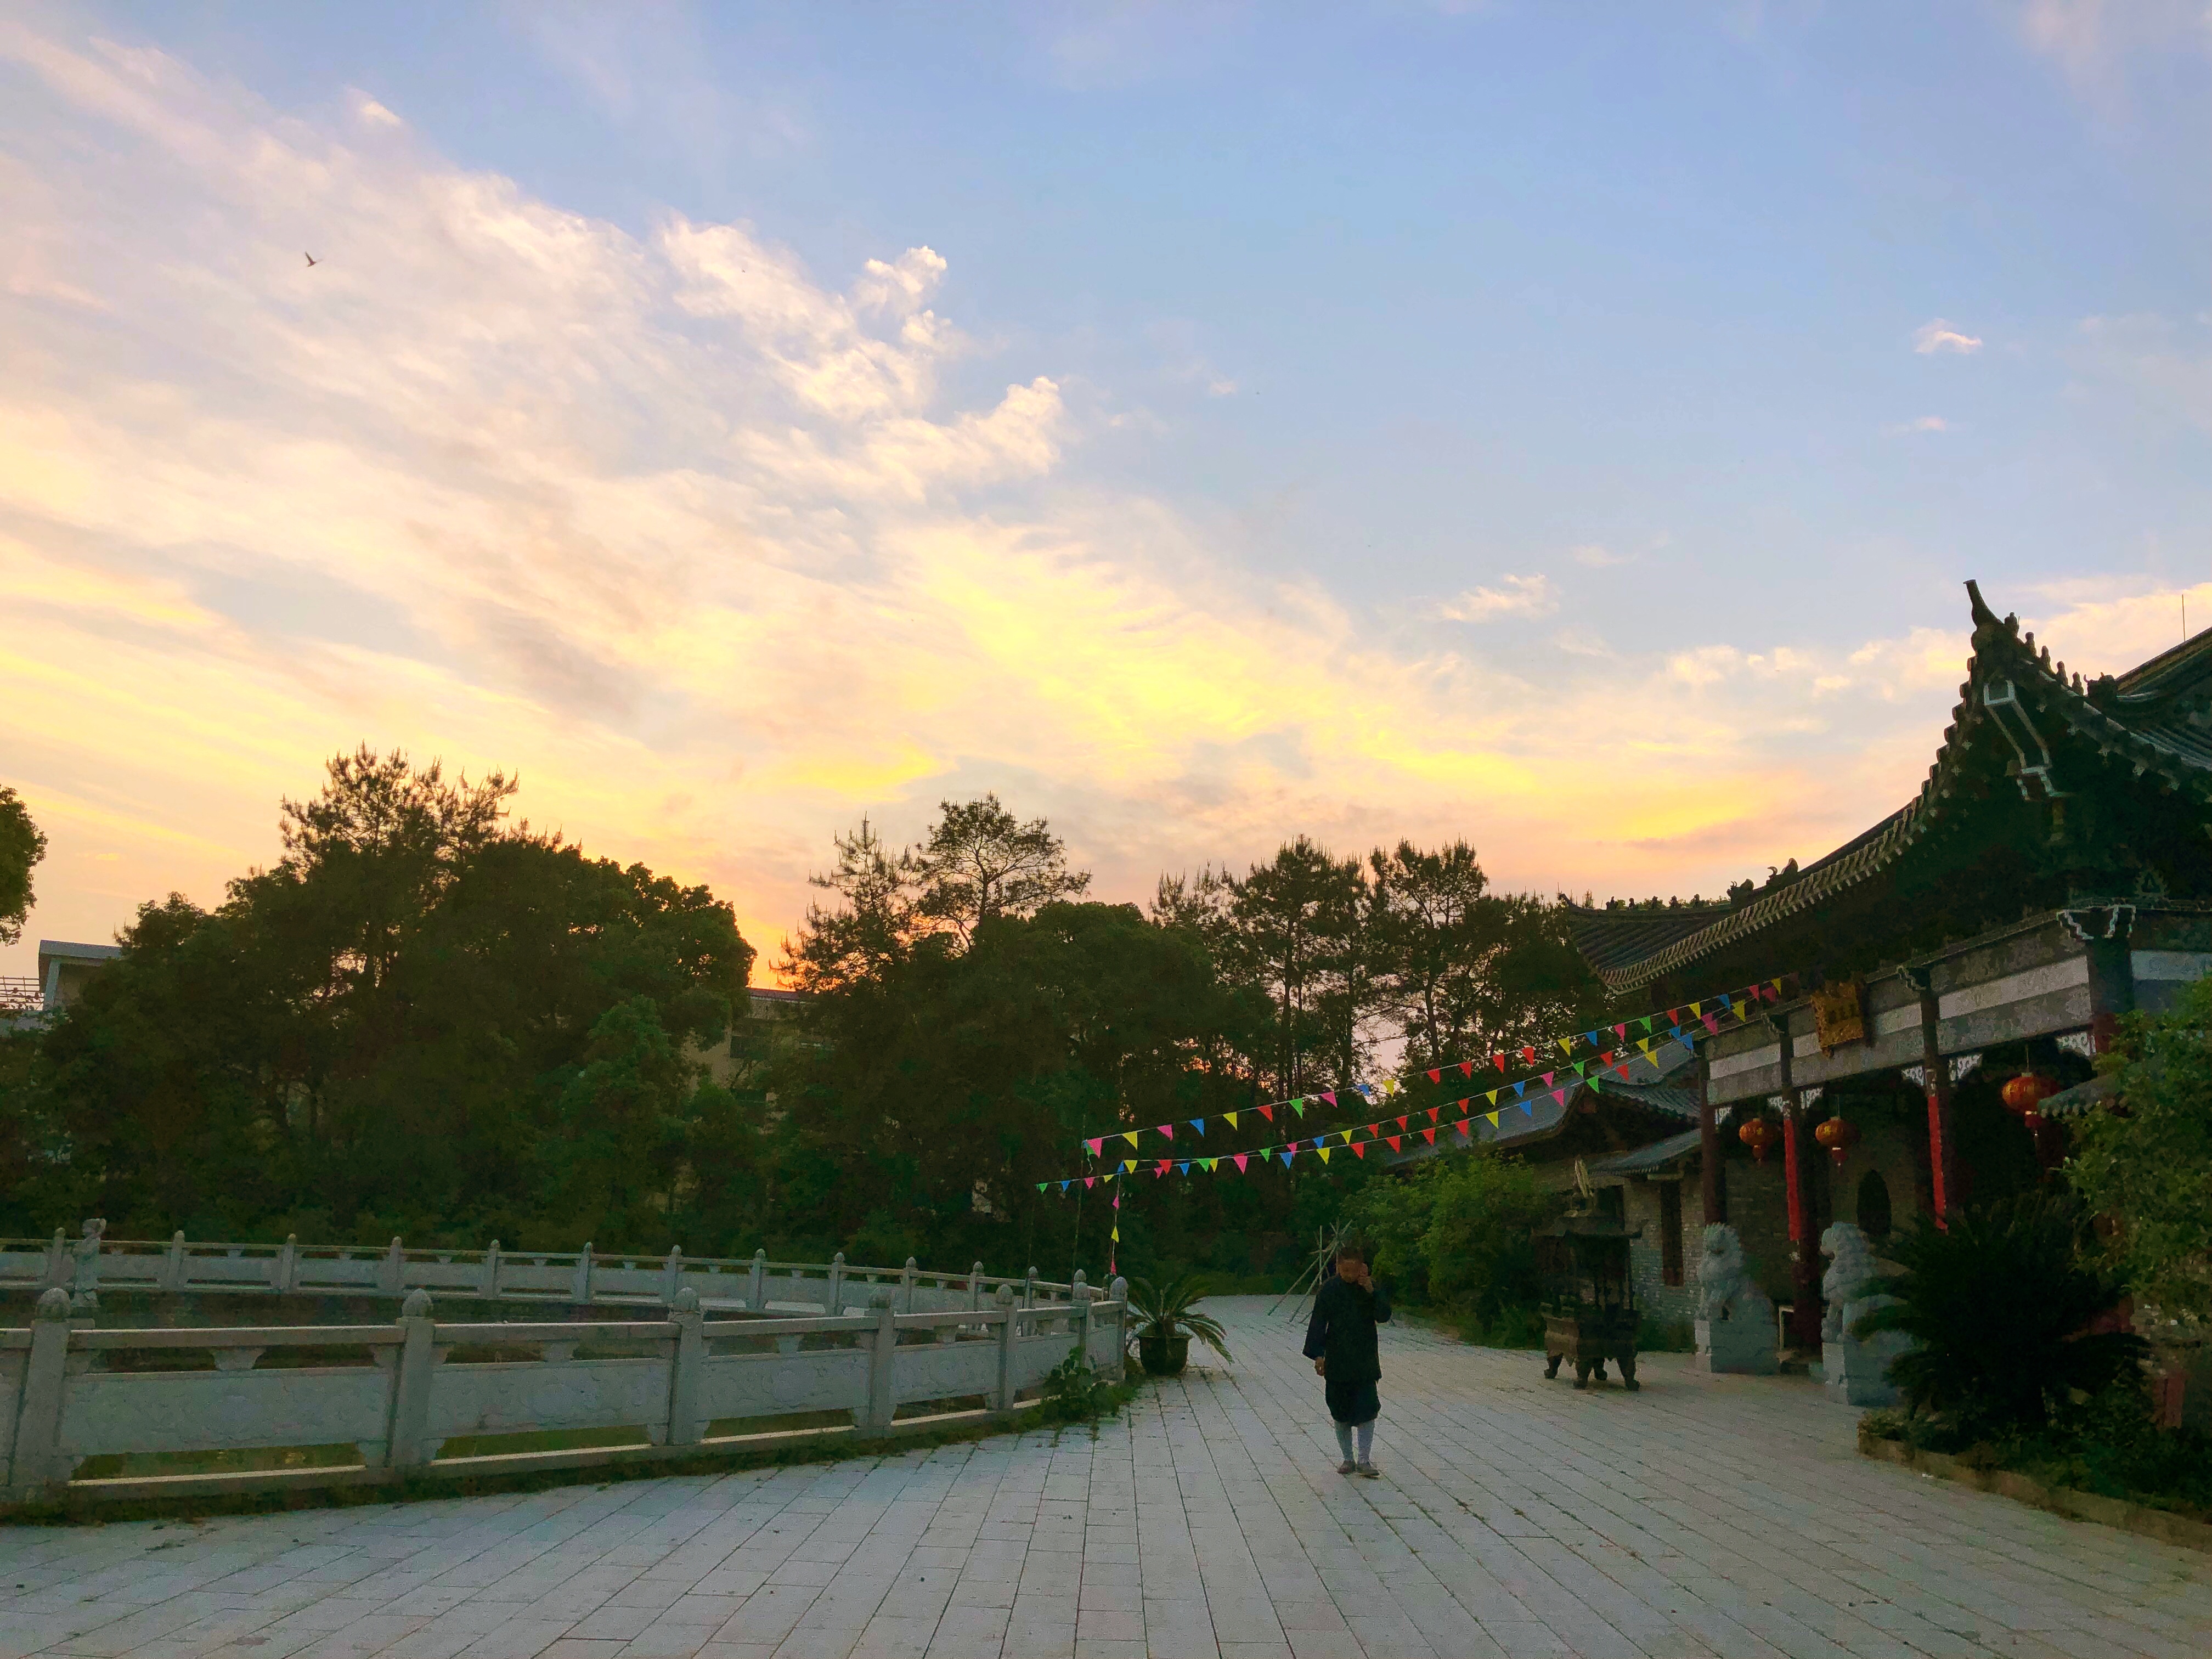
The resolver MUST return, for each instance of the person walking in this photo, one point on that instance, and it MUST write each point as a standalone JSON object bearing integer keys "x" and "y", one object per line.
{"x": 1340, "y": 1342}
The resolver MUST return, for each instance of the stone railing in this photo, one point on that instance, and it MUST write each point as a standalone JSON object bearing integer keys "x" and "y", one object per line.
{"x": 93, "y": 1262}
{"x": 378, "y": 1404}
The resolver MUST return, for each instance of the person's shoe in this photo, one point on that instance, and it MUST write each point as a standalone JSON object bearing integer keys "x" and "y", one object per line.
{"x": 1347, "y": 1467}
{"x": 1370, "y": 1471}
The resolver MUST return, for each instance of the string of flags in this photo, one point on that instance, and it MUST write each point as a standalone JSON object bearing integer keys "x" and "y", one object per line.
{"x": 1556, "y": 1083}
{"x": 1706, "y": 1012}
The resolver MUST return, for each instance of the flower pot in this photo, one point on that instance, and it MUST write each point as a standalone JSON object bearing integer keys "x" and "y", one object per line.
{"x": 1163, "y": 1356}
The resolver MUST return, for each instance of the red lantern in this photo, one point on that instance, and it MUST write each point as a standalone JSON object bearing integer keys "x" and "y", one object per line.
{"x": 1839, "y": 1135}
{"x": 2026, "y": 1092}
{"x": 1758, "y": 1134}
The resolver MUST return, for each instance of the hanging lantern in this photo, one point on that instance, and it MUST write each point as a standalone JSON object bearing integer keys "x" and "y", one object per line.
{"x": 2027, "y": 1091}
{"x": 1757, "y": 1134}
{"x": 1839, "y": 1135}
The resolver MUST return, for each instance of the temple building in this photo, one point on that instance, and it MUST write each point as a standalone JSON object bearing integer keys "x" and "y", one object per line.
{"x": 2053, "y": 873}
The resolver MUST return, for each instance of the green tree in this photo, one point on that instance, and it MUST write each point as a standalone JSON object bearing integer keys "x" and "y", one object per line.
{"x": 21, "y": 846}
{"x": 2149, "y": 1166}
{"x": 372, "y": 1037}
{"x": 1297, "y": 931}
{"x": 979, "y": 862}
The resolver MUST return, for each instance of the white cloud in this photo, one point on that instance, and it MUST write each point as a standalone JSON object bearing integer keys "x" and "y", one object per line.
{"x": 691, "y": 536}
{"x": 1925, "y": 423}
{"x": 1516, "y": 596}
{"x": 1592, "y": 553}
{"x": 1937, "y": 336}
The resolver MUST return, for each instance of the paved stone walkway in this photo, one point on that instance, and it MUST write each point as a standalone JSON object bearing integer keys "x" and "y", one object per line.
{"x": 1516, "y": 1516}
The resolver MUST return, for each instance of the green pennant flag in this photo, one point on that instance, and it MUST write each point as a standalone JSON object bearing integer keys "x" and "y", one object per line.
{"x": 1300, "y": 1105}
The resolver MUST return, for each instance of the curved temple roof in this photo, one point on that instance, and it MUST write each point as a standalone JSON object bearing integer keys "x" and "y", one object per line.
{"x": 2157, "y": 718}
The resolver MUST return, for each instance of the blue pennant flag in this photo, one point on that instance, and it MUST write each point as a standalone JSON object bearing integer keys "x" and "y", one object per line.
{"x": 1183, "y": 1168}
{"x": 1199, "y": 1124}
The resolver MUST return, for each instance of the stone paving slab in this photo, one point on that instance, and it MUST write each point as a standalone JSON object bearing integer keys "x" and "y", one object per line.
{"x": 1701, "y": 1515}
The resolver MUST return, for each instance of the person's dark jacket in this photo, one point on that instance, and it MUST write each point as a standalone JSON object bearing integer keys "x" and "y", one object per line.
{"x": 1342, "y": 1330}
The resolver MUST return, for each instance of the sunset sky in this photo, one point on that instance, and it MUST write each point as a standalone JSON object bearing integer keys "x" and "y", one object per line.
{"x": 1200, "y": 424}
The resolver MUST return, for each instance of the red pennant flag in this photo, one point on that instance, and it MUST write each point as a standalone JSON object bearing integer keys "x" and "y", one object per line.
{"x": 1500, "y": 1060}
{"x": 1430, "y": 1135}
{"x": 1433, "y": 1110}
{"x": 1267, "y": 1112}
{"x": 1401, "y": 1122}
{"x": 1622, "y": 1068}
{"x": 1466, "y": 1069}
{"x": 1359, "y": 1148}
{"x": 1527, "y": 1056}
{"x": 1393, "y": 1139}
{"x": 1461, "y": 1126}
{"x": 1436, "y": 1077}
{"x": 1606, "y": 1059}
{"x": 1673, "y": 1015}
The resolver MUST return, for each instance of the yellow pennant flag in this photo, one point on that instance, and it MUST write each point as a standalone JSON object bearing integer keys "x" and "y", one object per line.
{"x": 1697, "y": 1007}
{"x": 1128, "y": 1163}
{"x": 1231, "y": 1116}
{"x": 1492, "y": 1096}
{"x": 1130, "y": 1135}
{"x": 1566, "y": 1045}
{"x": 1324, "y": 1153}
{"x": 1493, "y": 1120}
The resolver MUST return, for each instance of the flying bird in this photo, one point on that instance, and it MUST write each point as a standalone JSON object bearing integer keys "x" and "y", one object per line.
{"x": 311, "y": 260}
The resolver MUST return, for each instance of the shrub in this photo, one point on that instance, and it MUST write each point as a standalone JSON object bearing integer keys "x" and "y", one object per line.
{"x": 1999, "y": 1306}
{"x": 2153, "y": 1168}
{"x": 1073, "y": 1393}
{"x": 1166, "y": 1311}
{"x": 1480, "y": 1247}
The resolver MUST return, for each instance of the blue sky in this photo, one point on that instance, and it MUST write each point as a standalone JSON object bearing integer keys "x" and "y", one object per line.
{"x": 1561, "y": 429}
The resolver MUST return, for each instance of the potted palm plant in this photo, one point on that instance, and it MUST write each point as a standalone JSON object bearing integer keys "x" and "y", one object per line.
{"x": 1165, "y": 1324}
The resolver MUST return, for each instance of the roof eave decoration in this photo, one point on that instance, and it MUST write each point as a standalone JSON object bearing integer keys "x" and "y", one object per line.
{"x": 2009, "y": 681}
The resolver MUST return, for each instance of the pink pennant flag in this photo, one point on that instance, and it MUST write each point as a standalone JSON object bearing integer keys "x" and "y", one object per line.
{"x": 1097, "y": 1146}
{"x": 1090, "y": 1181}
{"x": 1561, "y": 1096}
{"x": 1167, "y": 1129}
{"x": 1328, "y": 1095}
{"x": 1239, "y": 1156}
{"x": 1548, "y": 1076}
{"x": 1712, "y": 1022}
{"x": 1621, "y": 1031}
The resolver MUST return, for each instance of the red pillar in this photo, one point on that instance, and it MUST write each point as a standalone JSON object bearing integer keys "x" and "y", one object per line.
{"x": 1712, "y": 1177}
{"x": 1935, "y": 1071}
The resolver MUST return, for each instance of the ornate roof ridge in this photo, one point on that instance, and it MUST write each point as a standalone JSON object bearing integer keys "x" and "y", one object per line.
{"x": 1998, "y": 645}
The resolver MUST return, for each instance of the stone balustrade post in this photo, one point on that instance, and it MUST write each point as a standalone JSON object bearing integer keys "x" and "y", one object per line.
{"x": 1009, "y": 1336}
{"x": 906, "y": 1286}
{"x": 58, "y": 1260}
{"x": 1120, "y": 1292}
{"x": 687, "y": 1375}
{"x": 580, "y": 1286}
{"x": 392, "y": 1276}
{"x": 836, "y": 1295}
{"x": 883, "y": 1357}
{"x": 756, "y": 1283}
{"x": 976, "y": 1288}
{"x": 172, "y": 1262}
{"x": 671, "y": 1275}
{"x": 409, "y": 1440}
{"x": 38, "y": 1461}
{"x": 1029, "y": 1289}
{"x": 287, "y": 1265}
{"x": 1081, "y": 1291}
{"x": 488, "y": 1285}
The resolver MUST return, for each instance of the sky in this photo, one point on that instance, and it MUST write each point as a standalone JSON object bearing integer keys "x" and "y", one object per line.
{"x": 1201, "y": 423}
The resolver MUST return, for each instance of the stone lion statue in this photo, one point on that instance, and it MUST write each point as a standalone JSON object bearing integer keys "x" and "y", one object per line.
{"x": 1851, "y": 1275}
{"x": 1722, "y": 1279}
